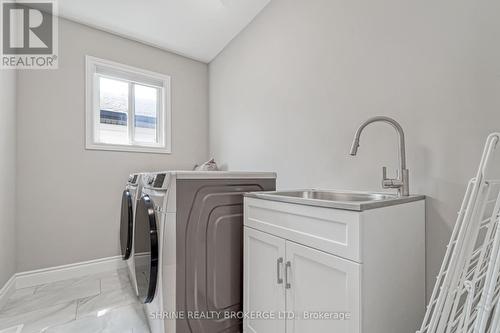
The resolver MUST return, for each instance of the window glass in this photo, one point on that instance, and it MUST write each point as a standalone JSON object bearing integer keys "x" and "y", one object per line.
{"x": 145, "y": 114}
{"x": 113, "y": 101}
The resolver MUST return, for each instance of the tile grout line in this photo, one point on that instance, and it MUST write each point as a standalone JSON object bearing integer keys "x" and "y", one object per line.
{"x": 65, "y": 322}
{"x": 37, "y": 287}
{"x": 76, "y": 308}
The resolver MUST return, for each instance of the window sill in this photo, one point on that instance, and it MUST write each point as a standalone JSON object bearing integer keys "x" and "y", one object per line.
{"x": 129, "y": 149}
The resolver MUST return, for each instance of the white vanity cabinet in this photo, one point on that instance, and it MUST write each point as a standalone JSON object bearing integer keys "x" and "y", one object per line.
{"x": 316, "y": 269}
{"x": 263, "y": 291}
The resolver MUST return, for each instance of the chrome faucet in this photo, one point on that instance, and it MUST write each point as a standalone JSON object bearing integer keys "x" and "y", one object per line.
{"x": 401, "y": 182}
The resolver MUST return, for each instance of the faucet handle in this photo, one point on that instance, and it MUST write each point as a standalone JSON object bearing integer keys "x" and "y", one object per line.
{"x": 390, "y": 182}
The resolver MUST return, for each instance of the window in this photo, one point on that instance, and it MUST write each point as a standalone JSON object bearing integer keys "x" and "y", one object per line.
{"x": 127, "y": 109}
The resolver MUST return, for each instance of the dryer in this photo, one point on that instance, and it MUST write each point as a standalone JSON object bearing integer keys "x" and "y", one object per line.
{"x": 189, "y": 248}
{"x": 130, "y": 196}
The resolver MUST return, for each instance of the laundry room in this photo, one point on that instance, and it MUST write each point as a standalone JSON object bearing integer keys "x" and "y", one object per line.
{"x": 264, "y": 166}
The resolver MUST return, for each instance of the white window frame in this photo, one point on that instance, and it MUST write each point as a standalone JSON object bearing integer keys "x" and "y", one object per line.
{"x": 94, "y": 68}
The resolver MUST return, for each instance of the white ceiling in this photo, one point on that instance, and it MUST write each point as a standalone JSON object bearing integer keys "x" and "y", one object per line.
{"x": 198, "y": 29}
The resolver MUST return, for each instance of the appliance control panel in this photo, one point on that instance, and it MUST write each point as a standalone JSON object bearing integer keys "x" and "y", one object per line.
{"x": 133, "y": 179}
{"x": 157, "y": 181}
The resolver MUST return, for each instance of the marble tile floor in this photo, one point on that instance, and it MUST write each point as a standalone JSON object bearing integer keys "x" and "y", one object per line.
{"x": 91, "y": 304}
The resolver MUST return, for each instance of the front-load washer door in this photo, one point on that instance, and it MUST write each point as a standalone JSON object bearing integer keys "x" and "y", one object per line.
{"x": 126, "y": 224}
{"x": 146, "y": 249}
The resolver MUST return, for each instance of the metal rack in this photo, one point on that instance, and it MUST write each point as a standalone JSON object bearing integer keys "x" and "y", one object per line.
{"x": 466, "y": 294}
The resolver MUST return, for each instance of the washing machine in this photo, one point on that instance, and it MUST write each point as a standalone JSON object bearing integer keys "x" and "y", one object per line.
{"x": 130, "y": 196}
{"x": 189, "y": 248}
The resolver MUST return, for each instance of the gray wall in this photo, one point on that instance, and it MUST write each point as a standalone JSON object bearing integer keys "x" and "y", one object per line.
{"x": 8, "y": 172}
{"x": 288, "y": 93}
{"x": 69, "y": 197}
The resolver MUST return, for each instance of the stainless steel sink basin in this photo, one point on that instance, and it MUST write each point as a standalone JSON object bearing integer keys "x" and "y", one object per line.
{"x": 335, "y": 196}
{"x": 357, "y": 201}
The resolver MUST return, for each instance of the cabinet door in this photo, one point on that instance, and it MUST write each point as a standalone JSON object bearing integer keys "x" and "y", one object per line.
{"x": 263, "y": 290}
{"x": 321, "y": 284}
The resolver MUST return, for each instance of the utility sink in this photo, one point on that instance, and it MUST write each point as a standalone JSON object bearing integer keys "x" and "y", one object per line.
{"x": 349, "y": 200}
{"x": 334, "y": 196}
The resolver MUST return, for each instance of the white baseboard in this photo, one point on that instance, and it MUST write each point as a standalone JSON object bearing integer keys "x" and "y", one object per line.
{"x": 7, "y": 290}
{"x": 64, "y": 272}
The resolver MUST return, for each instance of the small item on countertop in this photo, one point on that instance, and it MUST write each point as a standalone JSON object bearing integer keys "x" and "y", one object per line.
{"x": 209, "y": 165}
